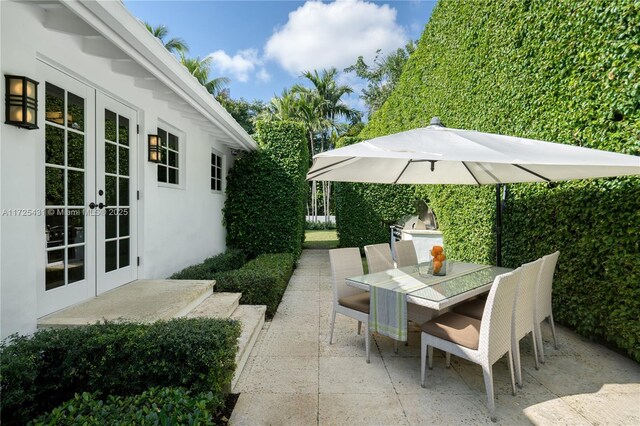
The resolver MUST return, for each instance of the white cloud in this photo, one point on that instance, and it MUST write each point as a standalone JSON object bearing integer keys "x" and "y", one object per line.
{"x": 263, "y": 75}
{"x": 239, "y": 66}
{"x": 322, "y": 35}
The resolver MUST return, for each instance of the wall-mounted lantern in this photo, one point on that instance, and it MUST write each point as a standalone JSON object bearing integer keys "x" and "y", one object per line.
{"x": 155, "y": 154}
{"x": 21, "y": 102}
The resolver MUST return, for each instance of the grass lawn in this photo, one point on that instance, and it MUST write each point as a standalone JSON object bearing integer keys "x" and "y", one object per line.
{"x": 320, "y": 239}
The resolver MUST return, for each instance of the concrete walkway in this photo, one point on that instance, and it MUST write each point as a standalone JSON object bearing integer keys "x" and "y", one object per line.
{"x": 294, "y": 377}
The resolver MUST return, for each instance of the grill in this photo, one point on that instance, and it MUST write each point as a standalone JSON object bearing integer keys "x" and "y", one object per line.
{"x": 425, "y": 219}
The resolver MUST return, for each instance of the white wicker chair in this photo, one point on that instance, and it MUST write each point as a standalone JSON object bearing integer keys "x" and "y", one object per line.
{"x": 523, "y": 314}
{"x": 543, "y": 309}
{"x": 378, "y": 257}
{"x": 405, "y": 253}
{"x": 482, "y": 342}
{"x": 349, "y": 301}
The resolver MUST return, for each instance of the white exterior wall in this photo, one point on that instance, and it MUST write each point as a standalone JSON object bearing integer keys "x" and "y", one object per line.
{"x": 176, "y": 226}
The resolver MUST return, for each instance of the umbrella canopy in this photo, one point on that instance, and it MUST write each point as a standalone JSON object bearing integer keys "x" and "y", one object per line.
{"x": 439, "y": 155}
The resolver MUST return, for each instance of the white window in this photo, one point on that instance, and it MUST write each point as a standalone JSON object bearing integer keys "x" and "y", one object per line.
{"x": 216, "y": 172}
{"x": 169, "y": 167}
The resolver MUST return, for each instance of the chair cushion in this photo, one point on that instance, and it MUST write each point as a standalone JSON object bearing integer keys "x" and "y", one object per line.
{"x": 456, "y": 328}
{"x": 473, "y": 309}
{"x": 357, "y": 302}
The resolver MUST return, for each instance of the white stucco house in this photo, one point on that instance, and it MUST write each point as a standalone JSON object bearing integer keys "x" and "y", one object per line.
{"x": 84, "y": 209}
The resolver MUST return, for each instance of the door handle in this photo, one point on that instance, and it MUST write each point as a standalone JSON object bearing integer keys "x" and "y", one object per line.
{"x": 92, "y": 205}
{"x": 101, "y": 205}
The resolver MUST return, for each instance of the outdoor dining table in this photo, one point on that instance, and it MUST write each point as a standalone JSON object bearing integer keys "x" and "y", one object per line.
{"x": 416, "y": 284}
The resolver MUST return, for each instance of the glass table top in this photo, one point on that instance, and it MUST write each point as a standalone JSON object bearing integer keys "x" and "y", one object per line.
{"x": 417, "y": 282}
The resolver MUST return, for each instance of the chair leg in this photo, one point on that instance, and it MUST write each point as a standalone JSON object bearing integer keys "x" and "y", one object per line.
{"x": 333, "y": 321}
{"x": 448, "y": 359}
{"x": 539, "y": 339}
{"x": 366, "y": 343}
{"x": 535, "y": 349}
{"x": 487, "y": 370}
{"x": 423, "y": 363}
{"x": 513, "y": 382}
{"x": 395, "y": 346}
{"x": 359, "y": 327}
{"x": 430, "y": 351}
{"x": 553, "y": 332}
{"x": 515, "y": 352}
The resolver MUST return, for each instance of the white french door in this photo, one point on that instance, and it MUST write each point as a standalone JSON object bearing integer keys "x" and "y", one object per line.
{"x": 89, "y": 192}
{"x": 116, "y": 252}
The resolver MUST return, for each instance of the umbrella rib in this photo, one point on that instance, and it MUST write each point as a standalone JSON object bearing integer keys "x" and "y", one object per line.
{"x": 470, "y": 172}
{"x": 402, "y": 172}
{"x": 331, "y": 165}
{"x": 319, "y": 174}
{"x": 532, "y": 172}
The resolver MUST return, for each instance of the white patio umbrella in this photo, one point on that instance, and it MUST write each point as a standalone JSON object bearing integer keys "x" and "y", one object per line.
{"x": 439, "y": 155}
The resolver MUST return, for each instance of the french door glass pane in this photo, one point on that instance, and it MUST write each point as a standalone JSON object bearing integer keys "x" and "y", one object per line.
{"x": 64, "y": 187}
{"x": 117, "y": 191}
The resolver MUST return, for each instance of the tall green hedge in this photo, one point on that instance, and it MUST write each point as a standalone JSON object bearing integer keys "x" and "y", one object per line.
{"x": 267, "y": 192}
{"x": 365, "y": 211}
{"x": 567, "y": 72}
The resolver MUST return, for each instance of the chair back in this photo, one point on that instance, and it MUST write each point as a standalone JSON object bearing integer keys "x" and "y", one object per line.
{"x": 345, "y": 263}
{"x": 495, "y": 329}
{"x": 544, "y": 287}
{"x": 525, "y": 299}
{"x": 378, "y": 257}
{"x": 405, "y": 253}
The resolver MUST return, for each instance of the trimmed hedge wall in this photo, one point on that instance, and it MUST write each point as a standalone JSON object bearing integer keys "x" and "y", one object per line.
{"x": 365, "y": 211}
{"x": 267, "y": 192}
{"x": 226, "y": 261}
{"x": 47, "y": 369}
{"x": 261, "y": 281}
{"x": 560, "y": 71}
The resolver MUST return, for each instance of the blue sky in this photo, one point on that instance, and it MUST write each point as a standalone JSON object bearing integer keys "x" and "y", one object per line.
{"x": 262, "y": 46}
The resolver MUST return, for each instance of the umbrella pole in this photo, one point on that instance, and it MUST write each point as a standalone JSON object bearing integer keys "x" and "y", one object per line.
{"x": 498, "y": 225}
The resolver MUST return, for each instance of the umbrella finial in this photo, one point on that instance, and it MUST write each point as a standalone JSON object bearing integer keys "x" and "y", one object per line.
{"x": 435, "y": 121}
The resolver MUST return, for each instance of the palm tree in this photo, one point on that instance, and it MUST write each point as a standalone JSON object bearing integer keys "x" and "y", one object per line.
{"x": 173, "y": 45}
{"x": 326, "y": 95}
{"x": 200, "y": 69}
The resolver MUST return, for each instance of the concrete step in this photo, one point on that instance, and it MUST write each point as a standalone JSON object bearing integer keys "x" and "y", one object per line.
{"x": 139, "y": 301}
{"x": 252, "y": 319}
{"x": 218, "y": 305}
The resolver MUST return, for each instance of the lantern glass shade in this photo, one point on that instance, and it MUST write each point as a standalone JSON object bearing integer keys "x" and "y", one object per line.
{"x": 21, "y": 102}
{"x": 155, "y": 154}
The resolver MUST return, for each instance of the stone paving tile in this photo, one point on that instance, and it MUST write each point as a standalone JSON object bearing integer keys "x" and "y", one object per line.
{"x": 283, "y": 375}
{"x": 607, "y": 408}
{"x": 360, "y": 409}
{"x": 405, "y": 376}
{"x": 354, "y": 376}
{"x": 295, "y": 377}
{"x": 290, "y": 342}
{"x": 275, "y": 409}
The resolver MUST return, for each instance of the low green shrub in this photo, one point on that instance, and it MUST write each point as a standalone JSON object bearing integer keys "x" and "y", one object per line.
{"x": 311, "y": 225}
{"x": 157, "y": 406}
{"x": 227, "y": 261}
{"x": 41, "y": 372}
{"x": 261, "y": 281}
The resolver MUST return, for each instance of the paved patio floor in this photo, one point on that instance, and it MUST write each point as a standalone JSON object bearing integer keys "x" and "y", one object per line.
{"x": 294, "y": 377}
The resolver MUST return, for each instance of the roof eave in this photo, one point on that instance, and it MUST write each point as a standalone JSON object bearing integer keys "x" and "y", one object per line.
{"x": 113, "y": 21}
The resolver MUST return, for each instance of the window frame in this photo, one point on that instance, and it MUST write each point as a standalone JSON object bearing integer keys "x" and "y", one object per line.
{"x": 220, "y": 169}
{"x": 180, "y": 151}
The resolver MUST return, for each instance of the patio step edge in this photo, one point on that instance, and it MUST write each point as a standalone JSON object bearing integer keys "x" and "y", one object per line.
{"x": 252, "y": 318}
{"x": 217, "y": 305}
